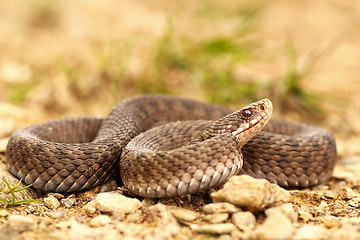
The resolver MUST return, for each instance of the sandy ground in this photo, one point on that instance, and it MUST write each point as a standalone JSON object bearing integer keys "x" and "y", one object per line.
{"x": 80, "y": 58}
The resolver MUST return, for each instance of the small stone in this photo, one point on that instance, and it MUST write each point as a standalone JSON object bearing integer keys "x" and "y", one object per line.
{"x": 311, "y": 232}
{"x": 243, "y": 219}
{"x": 164, "y": 221}
{"x": 51, "y": 202}
{"x": 3, "y": 213}
{"x": 183, "y": 214}
{"x": 219, "y": 228}
{"x": 113, "y": 202}
{"x": 58, "y": 195}
{"x": 286, "y": 209}
{"x": 221, "y": 207}
{"x": 100, "y": 220}
{"x": 55, "y": 214}
{"x": 21, "y": 223}
{"x": 147, "y": 202}
{"x": 329, "y": 194}
{"x": 68, "y": 202}
{"x": 322, "y": 207}
{"x": 109, "y": 185}
{"x": 216, "y": 217}
{"x": 90, "y": 207}
{"x": 250, "y": 193}
{"x": 305, "y": 216}
{"x": 347, "y": 193}
{"x": 276, "y": 226}
{"x": 330, "y": 221}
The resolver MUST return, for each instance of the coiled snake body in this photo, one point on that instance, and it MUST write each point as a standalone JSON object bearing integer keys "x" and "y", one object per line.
{"x": 186, "y": 155}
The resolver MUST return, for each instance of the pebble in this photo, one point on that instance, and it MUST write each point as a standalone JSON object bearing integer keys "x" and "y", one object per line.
{"x": 219, "y": 228}
{"x": 58, "y": 195}
{"x": 184, "y": 215}
{"x": 311, "y": 232}
{"x": 347, "y": 193}
{"x": 21, "y": 223}
{"x": 275, "y": 226}
{"x": 216, "y": 217}
{"x": 69, "y": 201}
{"x": 304, "y": 215}
{"x": 162, "y": 215}
{"x": 286, "y": 209}
{"x": 167, "y": 226}
{"x": 114, "y": 202}
{"x": 55, "y": 214}
{"x": 3, "y": 213}
{"x": 100, "y": 220}
{"x": 51, "y": 202}
{"x": 250, "y": 193}
{"x": 109, "y": 185}
{"x": 243, "y": 220}
{"x": 221, "y": 207}
{"x": 147, "y": 202}
{"x": 90, "y": 207}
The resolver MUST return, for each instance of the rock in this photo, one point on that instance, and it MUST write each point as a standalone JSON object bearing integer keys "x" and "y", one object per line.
{"x": 55, "y": 214}
{"x": 100, "y": 220}
{"x": 21, "y": 223}
{"x": 69, "y": 201}
{"x": 220, "y": 228}
{"x": 3, "y": 213}
{"x": 166, "y": 226}
{"x": 221, "y": 207}
{"x": 276, "y": 226}
{"x": 311, "y": 232}
{"x": 216, "y": 217}
{"x": 58, "y": 195}
{"x": 109, "y": 185}
{"x": 286, "y": 209}
{"x": 90, "y": 207}
{"x": 162, "y": 215}
{"x": 347, "y": 193}
{"x": 114, "y": 202}
{"x": 346, "y": 232}
{"x": 147, "y": 202}
{"x": 322, "y": 207}
{"x": 183, "y": 215}
{"x": 304, "y": 215}
{"x": 330, "y": 221}
{"x": 243, "y": 220}
{"x": 250, "y": 193}
{"x": 51, "y": 202}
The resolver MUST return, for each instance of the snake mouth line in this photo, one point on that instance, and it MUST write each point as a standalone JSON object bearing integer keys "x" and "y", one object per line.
{"x": 262, "y": 120}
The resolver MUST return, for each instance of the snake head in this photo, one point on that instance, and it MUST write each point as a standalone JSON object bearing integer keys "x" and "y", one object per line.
{"x": 243, "y": 124}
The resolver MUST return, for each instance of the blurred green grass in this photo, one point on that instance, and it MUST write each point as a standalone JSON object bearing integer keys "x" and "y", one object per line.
{"x": 175, "y": 63}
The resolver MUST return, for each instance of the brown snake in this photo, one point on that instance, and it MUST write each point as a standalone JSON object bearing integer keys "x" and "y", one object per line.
{"x": 180, "y": 157}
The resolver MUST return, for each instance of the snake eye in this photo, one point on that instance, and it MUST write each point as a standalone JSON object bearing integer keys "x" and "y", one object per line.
{"x": 247, "y": 113}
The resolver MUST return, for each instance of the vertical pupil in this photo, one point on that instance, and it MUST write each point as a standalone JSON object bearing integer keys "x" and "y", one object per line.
{"x": 247, "y": 113}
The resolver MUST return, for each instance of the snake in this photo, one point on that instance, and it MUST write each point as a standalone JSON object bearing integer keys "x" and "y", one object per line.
{"x": 165, "y": 146}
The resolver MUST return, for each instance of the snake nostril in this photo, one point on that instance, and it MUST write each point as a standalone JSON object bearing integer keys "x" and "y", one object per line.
{"x": 262, "y": 107}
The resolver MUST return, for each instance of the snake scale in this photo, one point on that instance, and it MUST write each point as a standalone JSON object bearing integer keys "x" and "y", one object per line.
{"x": 168, "y": 146}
